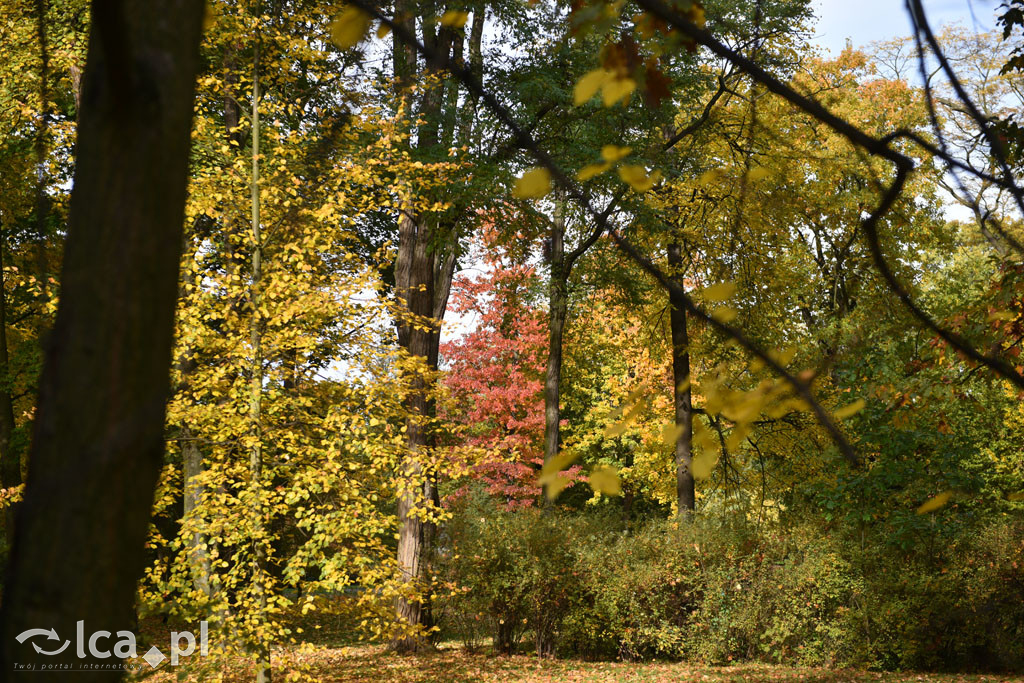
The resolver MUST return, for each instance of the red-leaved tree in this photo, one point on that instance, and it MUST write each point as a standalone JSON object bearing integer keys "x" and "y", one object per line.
{"x": 495, "y": 372}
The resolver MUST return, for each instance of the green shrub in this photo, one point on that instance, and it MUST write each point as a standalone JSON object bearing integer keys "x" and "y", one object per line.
{"x": 513, "y": 573}
{"x": 717, "y": 589}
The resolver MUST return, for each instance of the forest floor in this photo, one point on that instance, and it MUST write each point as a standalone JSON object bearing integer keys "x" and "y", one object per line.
{"x": 453, "y": 664}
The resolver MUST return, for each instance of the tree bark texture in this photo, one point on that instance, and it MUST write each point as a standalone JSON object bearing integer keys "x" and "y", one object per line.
{"x": 98, "y": 441}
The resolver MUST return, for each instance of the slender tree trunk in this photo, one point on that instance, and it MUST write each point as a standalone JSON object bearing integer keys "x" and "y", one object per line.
{"x": 256, "y": 385}
{"x": 42, "y": 200}
{"x": 10, "y": 454}
{"x": 98, "y": 442}
{"x": 192, "y": 466}
{"x": 685, "y": 495}
{"x": 558, "y": 308}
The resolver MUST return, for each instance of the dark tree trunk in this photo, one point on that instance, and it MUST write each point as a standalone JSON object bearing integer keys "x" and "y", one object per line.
{"x": 10, "y": 454}
{"x": 685, "y": 496}
{"x": 42, "y": 235}
{"x": 558, "y": 307}
{"x": 414, "y": 276}
{"x": 423, "y": 274}
{"x": 98, "y": 442}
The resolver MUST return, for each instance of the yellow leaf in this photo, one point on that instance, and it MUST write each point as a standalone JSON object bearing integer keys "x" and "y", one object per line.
{"x": 382, "y": 31}
{"x": 605, "y": 480}
{"x": 556, "y": 486}
{"x": 724, "y": 314}
{"x": 1014, "y": 497}
{"x": 454, "y": 18}
{"x": 850, "y": 410}
{"x": 612, "y": 153}
{"x": 704, "y": 464}
{"x": 615, "y": 91}
{"x": 719, "y": 292}
{"x": 697, "y": 16}
{"x": 591, "y": 170}
{"x": 703, "y": 438}
{"x": 588, "y": 86}
{"x": 709, "y": 177}
{"x": 549, "y": 471}
{"x": 739, "y": 433}
{"x": 933, "y": 504}
{"x": 758, "y": 173}
{"x": 671, "y": 433}
{"x": 534, "y": 184}
{"x": 638, "y": 178}
{"x": 617, "y": 429}
{"x": 783, "y": 356}
{"x": 349, "y": 27}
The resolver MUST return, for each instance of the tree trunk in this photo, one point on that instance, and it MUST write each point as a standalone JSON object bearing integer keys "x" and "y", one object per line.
{"x": 558, "y": 307}
{"x": 423, "y": 281}
{"x": 192, "y": 466}
{"x": 10, "y": 454}
{"x": 685, "y": 496}
{"x": 414, "y": 276}
{"x": 98, "y": 442}
{"x": 262, "y": 649}
{"x": 41, "y": 143}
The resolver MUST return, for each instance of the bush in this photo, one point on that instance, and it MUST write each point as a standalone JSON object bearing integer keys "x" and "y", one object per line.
{"x": 717, "y": 589}
{"x": 511, "y": 573}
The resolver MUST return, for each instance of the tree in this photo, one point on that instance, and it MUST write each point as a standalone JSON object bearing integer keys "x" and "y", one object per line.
{"x": 285, "y": 425}
{"x": 494, "y": 373}
{"x": 97, "y": 448}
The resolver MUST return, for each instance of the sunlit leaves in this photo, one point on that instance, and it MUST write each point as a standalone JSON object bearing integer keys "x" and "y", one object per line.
{"x": 533, "y": 184}
{"x": 849, "y": 410}
{"x": 551, "y": 477}
{"x": 588, "y": 86}
{"x": 613, "y": 153}
{"x": 454, "y": 18}
{"x": 349, "y": 28}
{"x": 605, "y": 480}
{"x": 638, "y": 178}
{"x": 617, "y": 90}
{"x": 591, "y": 170}
{"x": 719, "y": 292}
{"x": 614, "y": 88}
{"x": 934, "y": 503}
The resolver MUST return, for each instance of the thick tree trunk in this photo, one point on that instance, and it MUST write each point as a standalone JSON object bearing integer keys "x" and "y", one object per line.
{"x": 685, "y": 496}
{"x": 423, "y": 273}
{"x": 10, "y": 454}
{"x": 98, "y": 443}
{"x": 558, "y": 307}
{"x": 414, "y": 276}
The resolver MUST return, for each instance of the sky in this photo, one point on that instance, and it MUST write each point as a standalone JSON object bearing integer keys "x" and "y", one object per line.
{"x": 864, "y": 21}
